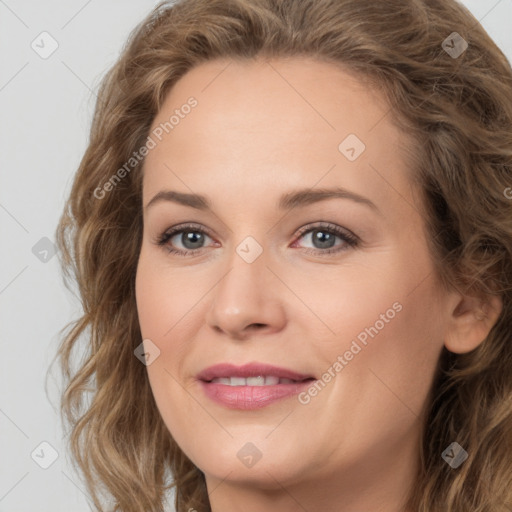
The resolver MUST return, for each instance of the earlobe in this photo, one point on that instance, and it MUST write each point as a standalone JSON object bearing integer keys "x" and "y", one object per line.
{"x": 470, "y": 323}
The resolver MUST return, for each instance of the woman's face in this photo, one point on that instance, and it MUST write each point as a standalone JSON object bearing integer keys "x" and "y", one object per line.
{"x": 281, "y": 271}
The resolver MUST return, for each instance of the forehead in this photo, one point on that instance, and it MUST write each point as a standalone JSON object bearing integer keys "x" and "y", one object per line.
{"x": 299, "y": 95}
{"x": 289, "y": 121}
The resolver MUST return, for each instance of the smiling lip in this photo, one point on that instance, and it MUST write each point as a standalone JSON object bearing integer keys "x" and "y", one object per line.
{"x": 247, "y": 396}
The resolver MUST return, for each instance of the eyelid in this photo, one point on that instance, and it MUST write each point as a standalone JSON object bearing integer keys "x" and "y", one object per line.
{"x": 327, "y": 226}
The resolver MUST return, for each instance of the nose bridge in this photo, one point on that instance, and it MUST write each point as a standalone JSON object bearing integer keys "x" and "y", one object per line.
{"x": 247, "y": 269}
{"x": 245, "y": 295}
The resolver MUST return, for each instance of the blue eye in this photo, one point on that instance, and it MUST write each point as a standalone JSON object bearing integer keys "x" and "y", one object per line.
{"x": 190, "y": 234}
{"x": 324, "y": 234}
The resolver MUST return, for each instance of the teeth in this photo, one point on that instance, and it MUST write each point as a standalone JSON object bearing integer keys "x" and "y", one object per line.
{"x": 261, "y": 380}
{"x": 222, "y": 380}
{"x": 255, "y": 381}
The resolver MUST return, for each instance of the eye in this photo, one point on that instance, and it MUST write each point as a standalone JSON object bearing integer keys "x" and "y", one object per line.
{"x": 323, "y": 235}
{"x": 190, "y": 236}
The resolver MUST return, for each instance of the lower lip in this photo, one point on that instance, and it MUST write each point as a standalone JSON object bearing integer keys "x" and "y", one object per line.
{"x": 251, "y": 397}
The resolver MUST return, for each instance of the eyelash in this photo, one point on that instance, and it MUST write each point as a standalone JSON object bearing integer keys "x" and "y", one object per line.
{"x": 351, "y": 240}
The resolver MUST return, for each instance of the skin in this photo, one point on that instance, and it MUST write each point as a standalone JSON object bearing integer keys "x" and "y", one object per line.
{"x": 262, "y": 129}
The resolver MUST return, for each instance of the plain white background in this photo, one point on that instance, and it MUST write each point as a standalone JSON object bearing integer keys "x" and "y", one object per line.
{"x": 47, "y": 105}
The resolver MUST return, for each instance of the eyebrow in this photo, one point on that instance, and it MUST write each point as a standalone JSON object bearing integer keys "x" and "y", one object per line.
{"x": 287, "y": 201}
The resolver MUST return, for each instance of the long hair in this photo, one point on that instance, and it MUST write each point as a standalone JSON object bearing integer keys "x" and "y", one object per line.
{"x": 457, "y": 111}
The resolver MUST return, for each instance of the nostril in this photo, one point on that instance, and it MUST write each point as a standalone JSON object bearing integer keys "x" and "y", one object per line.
{"x": 257, "y": 325}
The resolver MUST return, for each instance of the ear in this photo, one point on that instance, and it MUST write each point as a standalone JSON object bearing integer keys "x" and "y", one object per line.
{"x": 470, "y": 322}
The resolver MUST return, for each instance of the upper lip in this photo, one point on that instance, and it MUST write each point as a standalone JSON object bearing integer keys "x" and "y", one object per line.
{"x": 249, "y": 370}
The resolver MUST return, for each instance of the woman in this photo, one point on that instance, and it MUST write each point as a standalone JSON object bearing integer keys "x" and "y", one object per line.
{"x": 292, "y": 236}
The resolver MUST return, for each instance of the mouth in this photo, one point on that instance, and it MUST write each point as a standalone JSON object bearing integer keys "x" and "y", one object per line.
{"x": 251, "y": 386}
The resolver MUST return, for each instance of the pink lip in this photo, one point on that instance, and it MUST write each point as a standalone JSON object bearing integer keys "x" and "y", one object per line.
{"x": 250, "y": 397}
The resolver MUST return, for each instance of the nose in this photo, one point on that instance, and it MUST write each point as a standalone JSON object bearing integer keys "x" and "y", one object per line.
{"x": 247, "y": 300}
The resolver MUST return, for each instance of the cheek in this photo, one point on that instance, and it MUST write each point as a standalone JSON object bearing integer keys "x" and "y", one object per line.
{"x": 168, "y": 308}
{"x": 388, "y": 332}
{"x": 166, "y": 297}
{"x": 159, "y": 311}
{"x": 401, "y": 341}
{"x": 162, "y": 316}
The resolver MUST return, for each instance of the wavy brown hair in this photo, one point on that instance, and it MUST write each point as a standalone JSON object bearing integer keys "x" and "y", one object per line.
{"x": 457, "y": 115}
